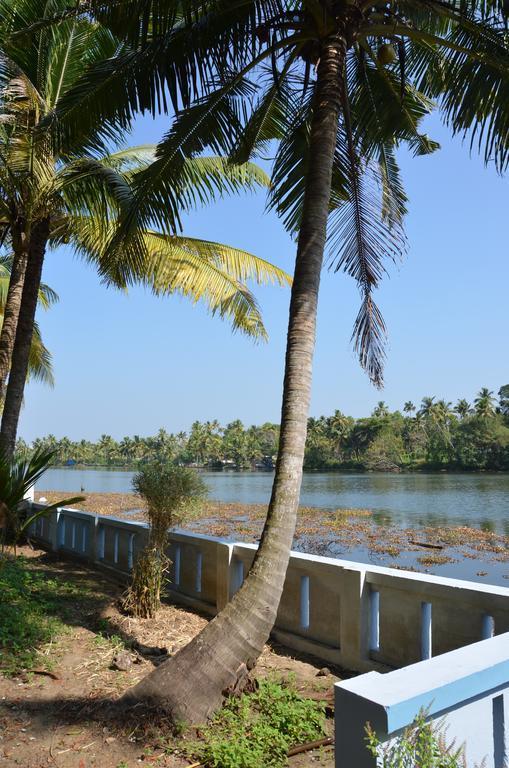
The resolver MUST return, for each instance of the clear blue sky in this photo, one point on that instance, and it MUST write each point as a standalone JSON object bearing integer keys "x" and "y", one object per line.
{"x": 130, "y": 364}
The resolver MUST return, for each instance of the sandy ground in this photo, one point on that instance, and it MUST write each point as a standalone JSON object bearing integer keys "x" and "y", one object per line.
{"x": 60, "y": 718}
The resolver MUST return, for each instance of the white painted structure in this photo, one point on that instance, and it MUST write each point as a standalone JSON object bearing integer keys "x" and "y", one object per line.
{"x": 361, "y": 617}
{"x": 465, "y": 693}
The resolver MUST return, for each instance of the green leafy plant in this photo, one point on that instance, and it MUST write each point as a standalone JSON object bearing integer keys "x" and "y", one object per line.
{"x": 32, "y": 612}
{"x": 172, "y": 494}
{"x": 420, "y": 746}
{"x": 17, "y": 476}
{"x": 256, "y": 730}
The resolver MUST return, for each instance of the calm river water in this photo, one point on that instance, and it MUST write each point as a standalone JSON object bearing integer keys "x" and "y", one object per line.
{"x": 396, "y": 499}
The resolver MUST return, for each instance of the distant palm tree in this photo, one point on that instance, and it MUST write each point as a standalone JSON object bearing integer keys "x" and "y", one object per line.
{"x": 380, "y": 410}
{"x": 426, "y": 408}
{"x": 442, "y": 412}
{"x": 436, "y": 417}
{"x": 485, "y": 403}
{"x": 503, "y": 400}
{"x": 463, "y": 408}
{"x": 338, "y": 425}
{"x": 409, "y": 407}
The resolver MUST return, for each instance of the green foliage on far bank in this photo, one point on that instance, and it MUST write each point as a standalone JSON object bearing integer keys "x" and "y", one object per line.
{"x": 434, "y": 435}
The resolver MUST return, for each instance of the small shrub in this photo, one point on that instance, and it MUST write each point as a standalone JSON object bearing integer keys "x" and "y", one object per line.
{"x": 172, "y": 494}
{"x": 257, "y": 730}
{"x": 420, "y": 746}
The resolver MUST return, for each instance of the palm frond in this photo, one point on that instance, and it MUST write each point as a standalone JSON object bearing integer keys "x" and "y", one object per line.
{"x": 200, "y": 270}
{"x": 360, "y": 240}
{"x": 40, "y": 367}
{"x": 196, "y": 270}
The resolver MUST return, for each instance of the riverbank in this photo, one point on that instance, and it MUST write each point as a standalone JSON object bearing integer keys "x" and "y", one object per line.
{"x": 346, "y": 469}
{"x": 357, "y": 534}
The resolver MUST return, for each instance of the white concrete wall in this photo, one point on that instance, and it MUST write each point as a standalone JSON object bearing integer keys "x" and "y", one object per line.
{"x": 358, "y": 616}
{"x": 465, "y": 694}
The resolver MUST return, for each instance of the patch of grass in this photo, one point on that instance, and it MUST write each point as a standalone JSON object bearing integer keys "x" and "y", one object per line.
{"x": 32, "y": 609}
{"x": 257, "y": 730}
{"x": 109, "y": 641}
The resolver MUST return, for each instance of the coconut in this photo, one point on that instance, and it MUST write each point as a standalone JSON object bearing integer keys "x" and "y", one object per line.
{"x": 387, "y": 54}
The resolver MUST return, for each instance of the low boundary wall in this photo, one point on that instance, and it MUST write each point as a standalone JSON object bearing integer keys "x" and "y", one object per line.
{"x": 358, "y": 616}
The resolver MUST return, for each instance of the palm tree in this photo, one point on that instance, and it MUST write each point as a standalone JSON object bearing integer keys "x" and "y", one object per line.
{"x": 427, "y": 405}
{"x": 51, "y": 195}
{"x": 381, "y": 410}
{"x": 485, "y": 404}
{"x": 463, "y": 408}
{"x": 337, "y": 86}
{"x": 39, "y": 362}
{"x": 503, "y": 400}
{"x": 442, "y": 412}
{"x": 409, "y": 407}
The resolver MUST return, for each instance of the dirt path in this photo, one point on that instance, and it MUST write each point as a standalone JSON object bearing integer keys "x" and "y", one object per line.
{"x": 57, "y": 715}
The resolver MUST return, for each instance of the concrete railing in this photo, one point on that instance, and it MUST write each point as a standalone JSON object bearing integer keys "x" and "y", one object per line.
{"x": 357, "y": 616}
{"x": 463, "y": 693}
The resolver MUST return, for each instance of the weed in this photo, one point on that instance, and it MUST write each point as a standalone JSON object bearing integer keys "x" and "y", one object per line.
{"x": 257, "y": 730}
{"x": 421, "y": 745}
{"x": 106, "y": 640}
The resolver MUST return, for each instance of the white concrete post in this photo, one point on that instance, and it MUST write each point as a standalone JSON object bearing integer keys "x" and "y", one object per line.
{"x": 223, "y": 565}
{"x": 53, "y": 530}
{"x": 30, "y": 494}
{"x": 354, "y": 619}
{"x": 94, "y": 544}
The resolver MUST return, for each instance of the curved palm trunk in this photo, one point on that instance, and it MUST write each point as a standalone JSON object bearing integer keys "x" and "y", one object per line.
{"x": 190, "y": 686}
{"x": 13, "y": 301}
{"x": 21, "y": 352}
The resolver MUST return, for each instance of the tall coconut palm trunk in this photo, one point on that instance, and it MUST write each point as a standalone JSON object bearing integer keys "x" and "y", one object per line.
{"x": 191, "y": 684}
{"x": 24, "y": 333}
{"x": 20, "y": 244}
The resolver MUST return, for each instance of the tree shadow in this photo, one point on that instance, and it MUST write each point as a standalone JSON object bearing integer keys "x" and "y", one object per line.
{"x": 111, "y": 715}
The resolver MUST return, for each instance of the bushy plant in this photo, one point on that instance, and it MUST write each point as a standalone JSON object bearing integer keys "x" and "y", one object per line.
{"x": 420, "y": 746}
{"x": 256, "y": 730}
{"x": 17, "y": 476}
{"x": 172, "y": 494}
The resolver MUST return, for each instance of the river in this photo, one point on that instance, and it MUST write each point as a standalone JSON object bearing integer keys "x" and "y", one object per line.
{"x": 477, "y": 500}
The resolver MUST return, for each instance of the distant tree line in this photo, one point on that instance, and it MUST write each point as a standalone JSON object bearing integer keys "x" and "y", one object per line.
{"x": 434, "y": 435}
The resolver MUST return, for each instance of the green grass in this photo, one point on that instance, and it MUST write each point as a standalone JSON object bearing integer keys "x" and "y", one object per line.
{"x": 33, "y": 612}
{"x": 257, "y": 730}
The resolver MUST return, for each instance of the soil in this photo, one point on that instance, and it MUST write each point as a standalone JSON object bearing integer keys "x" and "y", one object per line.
{"x": 61, "y": 714}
